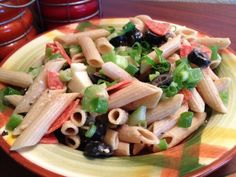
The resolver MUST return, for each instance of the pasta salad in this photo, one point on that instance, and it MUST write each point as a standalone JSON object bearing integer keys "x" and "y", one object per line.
{"x": 110, "y": 91}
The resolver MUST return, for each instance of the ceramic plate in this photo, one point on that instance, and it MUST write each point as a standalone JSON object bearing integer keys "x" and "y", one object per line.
{"x": 208, "y": 148}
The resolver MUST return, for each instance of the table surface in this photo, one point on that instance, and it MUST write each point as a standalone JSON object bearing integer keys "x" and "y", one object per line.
{"x": 215, "y": 19}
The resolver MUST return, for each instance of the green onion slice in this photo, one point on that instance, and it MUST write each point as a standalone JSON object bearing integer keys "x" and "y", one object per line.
{"x": 163, "y": 145}
{"x": 14, "y": 121}
{"x": 91, "y": 131}
{"x": 185, "y": 119}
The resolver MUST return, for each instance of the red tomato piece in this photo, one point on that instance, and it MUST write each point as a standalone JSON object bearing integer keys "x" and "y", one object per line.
{"x": 185, "y": 50}
{"x": 157, "y": 27}
{"x": 63, "y": 52}
{"x": 119, "y": 85}
{"x": 187, "y": 94}
{"x": 54, "y": 81}
{"x": 63, "y": 117}
{"x": 53, "y": 47}
{"x": 49, "y": 139}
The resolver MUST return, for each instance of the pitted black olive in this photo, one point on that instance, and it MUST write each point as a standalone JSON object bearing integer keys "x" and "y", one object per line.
{"x": 134, "y": 36}
{"x": 119, "y": 41}
{"x": 162, "y": 80}
{"x": 199, "y": 58}
{"x": 154, "y": 39}
{"x": 100, "y": 131}
{"x": 97, "y": 149}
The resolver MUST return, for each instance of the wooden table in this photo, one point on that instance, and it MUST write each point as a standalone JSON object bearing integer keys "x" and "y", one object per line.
{"x": 215, "y": 19}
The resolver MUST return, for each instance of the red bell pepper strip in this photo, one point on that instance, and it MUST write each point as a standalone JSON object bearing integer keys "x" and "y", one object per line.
{"x": 119, "y": 85}
{"x": 187, "y": 94}
{"x": 63, "y": 52}
{"x": 49, "y": 139}
{"x": 185, "y": 50}
{"x": 157, "y": 27}
{"x": 63, "y": 117}
{"x": 53, "y": 47}
{"x": 54, "y": 81}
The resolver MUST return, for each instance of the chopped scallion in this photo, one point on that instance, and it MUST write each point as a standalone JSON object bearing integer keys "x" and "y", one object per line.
{"x": 91, "y": 131}
{"x": 214, "y": 53}
{"x": 153, "y": 76}
{"x": 185, "y": 119}
{"x": 138, "y": 117}
{"x": 163, "y": 145}
{"x": 65, "y": 75}
{"x": 14, "y": 121}
{"x": 131, "y": 69}
{"x": 34, "y": 71}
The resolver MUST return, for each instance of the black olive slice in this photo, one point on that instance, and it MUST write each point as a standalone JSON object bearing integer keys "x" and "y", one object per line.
{"x": 154, "y": 39}
{"x": 199, "y": 58}
{"x": 162, "y": 80}
{"x": 97, "y": 149}
{"x": 119, "y": 41}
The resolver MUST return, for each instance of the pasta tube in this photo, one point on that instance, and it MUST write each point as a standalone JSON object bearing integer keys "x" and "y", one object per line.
{"x": 134, "y": 91}
{"x": 114, "y": 72}
{"x": 221, "y": 43}
{"x": 72, "y": 141}
{"x": 196, "y": 102}
{"x": 78, "y": 58}
{"x": 13, "y": 99}
{"x": 38, "y": 86}
{"x": 69, "y": 129}
{"x": 222, "y": 83}
{"x": 118, "y": 116}
{"x": 33, "y": 133}
{"x": 103, "y": 45}
{"x": 143, "y": 17}
{"x": 138, "y": 148}
{"x": 111, "y": 138}
{"x": 135, "y": 134}
{"x": 123, "y": 149}
{"x": 73, "y": 38}
{"x": 16, "y": 78}
{"x": 210, "y": 94}
{"x": 79, "y": 117}
{"x": 177, "y": 134}
{"x": 90, "y": 52}
{"x": 164, "y": 108}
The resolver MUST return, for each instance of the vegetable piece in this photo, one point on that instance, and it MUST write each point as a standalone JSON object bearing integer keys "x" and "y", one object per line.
{"x": 154, "y": 39}
{"x": 153, "y": 76}
{"x": 83, "y": 25}
{"x": 131, "y": 69}
{"x": 171, "y": 90}
{"x": 185, "y": 119}
{"x": 119, "y": 85}
{"x": 14, "y": 121}
{"x": 157, "y": 27}
{"x": 214, "y": 53}
{"x": 185, "y": 50}
{"x": 118, "y": 41}
{"x": 49, "y": 139}
{"x": 224, "y": 95}
{"x": 162, "y": 80}
{"x": 53, "y": 81}
{"x": 91, "y": 131}
{"x": 65, "y": 75}
{"x": 128, "y": 27}
{"x": 199, "y": 58}
{"x": 74, "y": 49}
{"x": 117, "y": 59}
{"x": 108, "y": 84}
{"x": 163, "y": 145}
{"x": 187, "y": 94}
{"x": 11, "y": 91}
{"x": 133, "y": 36}
{"x": 34, "y": 71}
{"x": 63, "y": 52}
{"x": 138, "y": 117}
{"x": 63, "y": 117}
{"x": 95, "y": 99}
{"x": 97, "y": 149}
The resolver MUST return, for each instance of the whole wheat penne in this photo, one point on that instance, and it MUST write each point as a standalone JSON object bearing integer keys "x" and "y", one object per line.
{"x": 135, "y": 134}
{"x": 215, "y": 63}
{"x": 187, "y": 33}
{"x": 111, "y": 138}
{"x": 137, "y": 148}
{"x": 221, "y": 43}
{"x": 13, "y": 99}
{"x": 90, "y": 52}
{"x": 210, "y": 94}
{"x": 73, "y": 38}
{"x": 33, "y": 133}
{"x": 164, "y": 108}
{"x": 150, "y": 101}
{"x": 36, "y": 109}
{"x": 143, "y": 17}
{"x": 38, "y": 86}
{"x": 173, "y": 58}
{"x": 177, "y": 134}
{"x": 117, "y": 116}
{"x": 79, "y": 117}
{"x": 16, "y": 78}
{"x": 114, "y": 72}
{"x": 78, "y": 58}
{"x": 127, "y": 95}
{"x": 72, "y": 141}
{"x": 222, "y": 83}
{"x": 161, "y": 126}
{"x": 196, "y": 102}
{"x": 139, "y": 24}
{"x": 103, "y": 45}
{"x": 123, "y": 149}
{"x": 213, "y": 76}
{"x": 69, "y": 128}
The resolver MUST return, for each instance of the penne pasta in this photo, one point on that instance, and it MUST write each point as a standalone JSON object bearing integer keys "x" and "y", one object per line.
{"x": 178, "y": 134}
{"x": 143, "y": 17}
{"x": 73, "y": 38}
{"x": 210, "y": 94}
{"x": 114, "y": 72}
{"x": 127, "y": 95}
{"x": 117, "y": 116}
{"x": 16, "y": 78}
{"x": 78, "y": 58}
{"x": 138, "y": 148}
{"x": 69, "y": 128}
{"x": 72, "y": 141}
{"x": 212, "y": 75}
{"x": 32, "y": 134}
{"x": 90, "y": 52}
{"x": 135, "y": 134}
{"x": 164, "y": 108}
{"x": 103, "y": 45}
{"x": 196, "y": 102}
{"x": 221, "y": 43}
{"x": 122, "y": 150}
{"x": 187, "y": 33}
{"x": 13, "y": 99}
{"x": 38, "y": 86}
{"x": 111, "y": 138}
{"x": 79, "y": 117}
{"x": 222, "y": 83}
